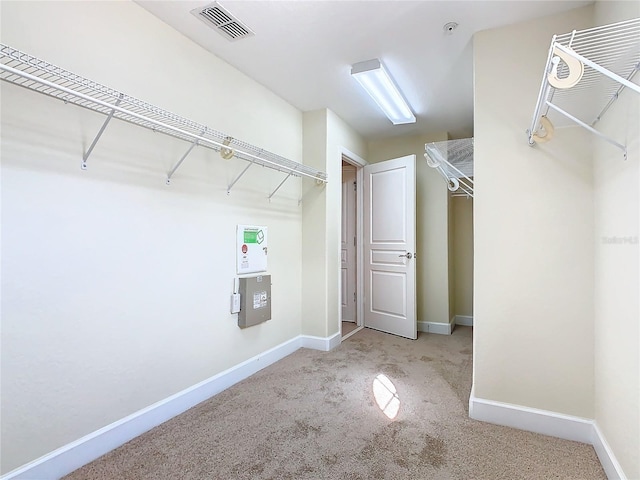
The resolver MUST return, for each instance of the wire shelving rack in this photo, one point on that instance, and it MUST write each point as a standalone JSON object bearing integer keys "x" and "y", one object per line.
{"x": 585, "y": 73}
{"x": 453, "y": 159}
{"x": 37, "y": 75}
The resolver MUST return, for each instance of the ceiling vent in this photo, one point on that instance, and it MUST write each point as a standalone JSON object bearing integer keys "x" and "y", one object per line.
{"x": 222, "y": 21}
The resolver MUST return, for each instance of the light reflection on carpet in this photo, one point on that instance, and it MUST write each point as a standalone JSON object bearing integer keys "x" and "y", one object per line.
{"x": 386, "y": 395}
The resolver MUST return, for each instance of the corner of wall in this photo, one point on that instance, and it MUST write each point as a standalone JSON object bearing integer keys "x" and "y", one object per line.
{"x": 451, "y": 258}
{"x": 314, "y": 214}
{"x": 340, "y": 136}
{"x": 533, "y": 231}
{"x": 617, "y": 275}
{"x": 324, "y": 135}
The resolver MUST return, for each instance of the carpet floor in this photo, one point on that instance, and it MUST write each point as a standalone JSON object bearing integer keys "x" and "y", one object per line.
{"x": 376, "y": 407}
{"x": 348, "y": 327}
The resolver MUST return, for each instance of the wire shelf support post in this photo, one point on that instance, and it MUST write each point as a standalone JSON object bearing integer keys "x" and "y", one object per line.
{"x": 280, "y": 184}
{"x": 238, "y": 178}
{"x": 194, "y": 144}
{"x": 86, "y": 155}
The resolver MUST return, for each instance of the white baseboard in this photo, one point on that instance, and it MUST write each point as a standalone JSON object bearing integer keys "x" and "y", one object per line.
{"x": 435, "y": 327}
{"x": 607, "y": 459}
{"x": 548, "y": 423}
{"x": 531, "y": 419}
{"x": 74, "y": 455}
{"x": 321, "y": 343}
{"x": 464, "y": 320}
{"x": 445, "y": 328}
{"x": 335, "y": 340}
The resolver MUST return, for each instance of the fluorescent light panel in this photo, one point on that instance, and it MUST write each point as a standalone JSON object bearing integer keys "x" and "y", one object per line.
{"x": 375, "y": 79}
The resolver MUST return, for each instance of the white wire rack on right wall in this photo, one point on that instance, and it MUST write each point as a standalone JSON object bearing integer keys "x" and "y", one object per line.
{"x": 453, "y": 159}
{"x": 585, "y": 72}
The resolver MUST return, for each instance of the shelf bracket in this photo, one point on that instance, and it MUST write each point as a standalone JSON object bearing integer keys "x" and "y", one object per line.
{"x": 589, "y": 127}
{"x": 281, "y": 183}
{"x": 194, "y": 144}
{"x": 238, "y": 178}
{"x": 85, "y": 157}
{"x": 543, "y": 94}
{"x": 615, "y": 96}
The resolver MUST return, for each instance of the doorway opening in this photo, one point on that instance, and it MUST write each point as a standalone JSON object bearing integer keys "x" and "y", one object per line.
{"x": 351, "y": 246}
{"x": 383, "y": 250}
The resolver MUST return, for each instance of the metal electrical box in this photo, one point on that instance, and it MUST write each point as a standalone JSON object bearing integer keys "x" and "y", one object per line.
{"x": 255, "y": 300}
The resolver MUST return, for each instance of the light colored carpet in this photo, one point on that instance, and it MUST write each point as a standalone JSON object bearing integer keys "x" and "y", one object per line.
{"x": 348, "y": 327}
{"x": 314, "y": 415}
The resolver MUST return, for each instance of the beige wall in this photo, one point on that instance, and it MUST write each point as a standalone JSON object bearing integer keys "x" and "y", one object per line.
{"x": 325, "y": 135}
{"x": 78, "y": 332}
{"x": 314, "y": 215}
{"x": 432, "y": 272}
{"x": 533, "y": 232}
{"x": 339, "y": 136}
{"x": 573, "y": 296}
{"x": 462, "y": 249}
{"x": 617, "y": 331}
{"x": 115, "y": 287}
{"x": 451, "y": 257}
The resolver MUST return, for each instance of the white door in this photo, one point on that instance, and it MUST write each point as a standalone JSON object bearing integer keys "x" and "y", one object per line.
{"x": 348, "y": 244}
{"x": 389, "y": 246}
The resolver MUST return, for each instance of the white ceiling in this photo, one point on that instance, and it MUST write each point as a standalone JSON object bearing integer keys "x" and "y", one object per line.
{"x": 303, "y": 51}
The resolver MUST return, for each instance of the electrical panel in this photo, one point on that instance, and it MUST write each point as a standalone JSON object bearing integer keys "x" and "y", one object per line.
{"x": 255, "y": 300}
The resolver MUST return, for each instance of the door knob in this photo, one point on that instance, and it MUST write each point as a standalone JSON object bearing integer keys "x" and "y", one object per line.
{"x": 408, "y": 255}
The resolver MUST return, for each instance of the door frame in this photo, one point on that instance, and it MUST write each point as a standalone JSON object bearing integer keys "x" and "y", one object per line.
{"x": 348, "y": 260}
{"x": 358, "y": 162}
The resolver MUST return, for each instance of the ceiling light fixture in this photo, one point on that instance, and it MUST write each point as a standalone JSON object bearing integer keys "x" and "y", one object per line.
{"x": 375, "y": 79}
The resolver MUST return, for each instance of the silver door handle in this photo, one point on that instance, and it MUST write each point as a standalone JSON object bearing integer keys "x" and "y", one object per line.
{"x": 408, "y": 255}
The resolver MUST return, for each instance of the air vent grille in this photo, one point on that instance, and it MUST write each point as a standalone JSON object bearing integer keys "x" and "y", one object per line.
{"x": 216, "y": 15}
{"x": 223, "y": 22}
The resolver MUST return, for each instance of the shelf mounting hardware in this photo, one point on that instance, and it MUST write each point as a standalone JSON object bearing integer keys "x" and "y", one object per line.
{"x": 85, "y": 156}
{"x": 238, "y": 178}
{"x": 590, "y": 128}
{"x": 615, "y": 95}
{"x": 194, "y": 144}
{"x": 226, "y": 152}
{"x": 281, "y": 183}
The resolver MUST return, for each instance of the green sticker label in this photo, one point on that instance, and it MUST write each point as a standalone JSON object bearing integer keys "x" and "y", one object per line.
{"x": 250, "y": 236}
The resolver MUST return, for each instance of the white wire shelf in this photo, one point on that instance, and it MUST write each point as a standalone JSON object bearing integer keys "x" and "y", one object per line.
{"x": 27, "y": 71}
{"x": 585, "y": 72}
{"x": 453, "y": 159}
